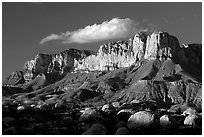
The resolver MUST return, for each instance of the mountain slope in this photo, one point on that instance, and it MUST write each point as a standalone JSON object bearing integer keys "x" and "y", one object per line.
{"x": 146, "y": 67}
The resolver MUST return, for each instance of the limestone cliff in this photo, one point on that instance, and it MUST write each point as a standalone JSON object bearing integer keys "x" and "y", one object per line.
{"x": 60, "y": 63}
{"x": 161, "y": 45}
{"x": 125, "y": 53}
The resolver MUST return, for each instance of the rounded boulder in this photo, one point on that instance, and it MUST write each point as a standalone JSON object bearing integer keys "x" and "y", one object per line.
{"x": 141, "y": 119}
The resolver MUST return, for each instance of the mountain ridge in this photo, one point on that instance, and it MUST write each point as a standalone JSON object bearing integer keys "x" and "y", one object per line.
{"x": 111, "y": 56}
{"x": 156, "y": 56}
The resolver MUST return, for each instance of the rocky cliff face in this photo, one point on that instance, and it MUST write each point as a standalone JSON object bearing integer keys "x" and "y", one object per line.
{"x": 158, "y": 45}
{"x": 115, "y": 55}
{"x": 161, "y": 45}
{"x": 53, "y": 63}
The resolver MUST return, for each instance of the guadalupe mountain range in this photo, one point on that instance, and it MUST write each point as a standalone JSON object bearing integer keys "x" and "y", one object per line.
{"x": 147, "y": 67}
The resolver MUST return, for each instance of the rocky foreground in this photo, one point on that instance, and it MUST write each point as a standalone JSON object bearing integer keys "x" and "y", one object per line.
{"x": 111, "y": 119}
{"x": 149, "y": 84}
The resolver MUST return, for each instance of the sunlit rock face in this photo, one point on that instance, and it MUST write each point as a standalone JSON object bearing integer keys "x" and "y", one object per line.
{"x": 111, "y": 56}
{"x": 60, "y": 63}
{"x": 35, "y": 66}
{"x": 115, "y": 55}
{"x": 161, "y": 45}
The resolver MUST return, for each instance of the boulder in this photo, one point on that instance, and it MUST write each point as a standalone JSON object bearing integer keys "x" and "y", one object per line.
{"x": 20, "y": 108}
{"x": 141, "y": 119}
{"x": 191, "y": 120}
{"x": 108, "y": 108}
{"x": 190, "y": 111}
{"x": 124, "y": 114}
{"x": 122, "y": 131}
{"x": 120, "y": 124}
{"x": 115, "y": 104}
{"x": 167, "y": 120}
{"x": 96, "y": 129}
{"x": 89, "y": 115}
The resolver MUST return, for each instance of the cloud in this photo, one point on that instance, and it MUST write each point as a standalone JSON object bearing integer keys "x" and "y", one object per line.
{"x": 114, "y": 29}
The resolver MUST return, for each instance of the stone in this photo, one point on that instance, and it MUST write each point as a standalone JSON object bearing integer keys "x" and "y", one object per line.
{"x": 122, "y": 131}
{"x": 141, "y": 119}
{"x": 115, "y": 104}
{"x": 190, "y": 111}
{"x": 108, "y": 108}
{"x": 120, "y": 124}
{"x": 20, "y": 108}
{"x": 89, "y": 114}
{"x": 27, "y": 102}
{"x": 124, "y": 114}
{"x": 167, "y": 120}
{"x": 126, "y": 111}
{"x": 89, "y": 111}
{"x": 96, "y": 129}
{"x": 191, "y": 120}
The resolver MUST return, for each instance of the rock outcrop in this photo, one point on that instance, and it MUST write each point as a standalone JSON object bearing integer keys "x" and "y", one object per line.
{"x": 161, "y": 45}
{"x": 158, "y": 45}
{"x": 14, "y": 79}
{"x": 61, "y": 63}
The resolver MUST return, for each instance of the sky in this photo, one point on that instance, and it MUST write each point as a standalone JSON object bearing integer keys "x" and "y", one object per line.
{"x": 35, "y": 27}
